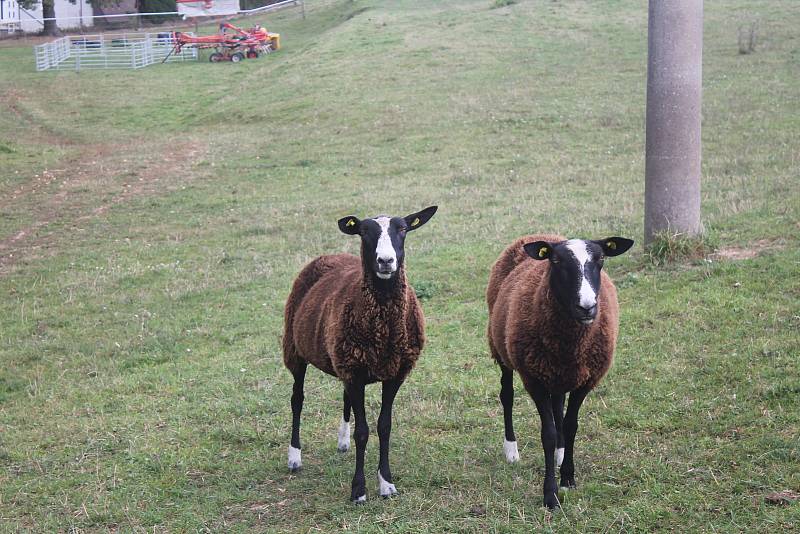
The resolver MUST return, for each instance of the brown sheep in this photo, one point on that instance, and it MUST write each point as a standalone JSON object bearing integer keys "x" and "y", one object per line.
{"x": 357, "y": 319}
{"x": 555, "y": 322}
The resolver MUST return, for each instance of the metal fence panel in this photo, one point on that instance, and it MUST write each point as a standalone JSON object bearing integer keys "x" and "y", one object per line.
{"x": 108, "y": 51}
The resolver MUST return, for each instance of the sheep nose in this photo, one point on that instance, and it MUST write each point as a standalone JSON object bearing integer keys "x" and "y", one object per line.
{"x": 385, "y": 261}
{"x": 588, "y": 311}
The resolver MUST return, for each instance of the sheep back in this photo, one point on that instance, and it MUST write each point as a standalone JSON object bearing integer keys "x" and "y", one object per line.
{"x": 336, "y": 323}
{"x": 528, "y": 333}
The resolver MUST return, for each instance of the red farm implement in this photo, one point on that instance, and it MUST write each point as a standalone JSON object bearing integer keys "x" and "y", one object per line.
{"x": 231, "y": 46}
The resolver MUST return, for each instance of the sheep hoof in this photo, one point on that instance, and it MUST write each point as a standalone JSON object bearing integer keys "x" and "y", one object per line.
{"x": 295, "y": 462}
{"x": 360, "y": 500}
{"x": 551, "y": 501}
{"x": 511, "y": 452}
{"x": 392, "y": 492}
{"x": 568, "y": 483}
{"x": 385, "y": 489}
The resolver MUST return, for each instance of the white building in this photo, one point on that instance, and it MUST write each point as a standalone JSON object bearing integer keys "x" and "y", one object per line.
{"x": 68, "y": 16}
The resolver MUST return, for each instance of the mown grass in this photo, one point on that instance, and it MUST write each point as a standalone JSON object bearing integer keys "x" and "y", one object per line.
{"x": 141, "y": 385}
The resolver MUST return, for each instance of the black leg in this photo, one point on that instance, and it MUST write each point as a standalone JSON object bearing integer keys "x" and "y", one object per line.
{"x": 557, "y": 402}
{"x": 507, "y": 400}
{"x": 355, "y": 390}
{"x": 385, "y": 486}
{"x": 295, "y": 461}
{"x": 347, "y": 407}
{"x": 343, "y": 443}
{"x": 570, "y": 429}
{"x": 549, "y": 435}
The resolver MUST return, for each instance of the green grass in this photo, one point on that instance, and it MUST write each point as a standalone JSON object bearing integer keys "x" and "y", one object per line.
{"x": 669, "y": 247}
{"x": 157, "y": 218}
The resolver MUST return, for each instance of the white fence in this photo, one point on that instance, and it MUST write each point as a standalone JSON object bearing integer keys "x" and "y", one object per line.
{"x": 108, "y": 51}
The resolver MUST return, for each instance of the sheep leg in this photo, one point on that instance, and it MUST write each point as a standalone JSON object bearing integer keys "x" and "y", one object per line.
{"x": 295, "y": 461}
{"x": 388, "y": 393}
{"x": 344, "y": 427}
{"x": 558, "y": 416}
{"x": 507, "y": 399}
{"x": 355, "y": 391}
{"x": 549, "y": 435}
{"x": 570, "y": 429}
{"x": 347, "y": 407}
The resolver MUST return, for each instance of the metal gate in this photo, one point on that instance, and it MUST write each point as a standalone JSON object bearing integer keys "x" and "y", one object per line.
{"x": 108, "y": 51}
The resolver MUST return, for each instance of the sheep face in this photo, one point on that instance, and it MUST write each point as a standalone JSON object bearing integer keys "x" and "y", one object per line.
{"x": 382, "y": 239}
{"x": 575, "y": 267}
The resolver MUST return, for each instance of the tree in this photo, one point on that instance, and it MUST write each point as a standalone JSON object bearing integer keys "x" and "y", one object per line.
{"x": 674, "y": 95}
{"x": 48, "y": 12}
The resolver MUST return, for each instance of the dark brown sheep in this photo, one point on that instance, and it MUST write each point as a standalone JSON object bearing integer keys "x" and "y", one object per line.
{"x": 555, "y": 322}
{"x": 357, "y": 319}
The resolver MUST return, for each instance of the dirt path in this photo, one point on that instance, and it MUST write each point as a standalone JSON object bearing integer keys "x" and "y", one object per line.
{"x": 87, "y": 186}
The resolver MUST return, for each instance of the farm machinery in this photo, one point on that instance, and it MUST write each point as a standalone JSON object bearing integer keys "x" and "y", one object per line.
{"x": 234, "y": 46}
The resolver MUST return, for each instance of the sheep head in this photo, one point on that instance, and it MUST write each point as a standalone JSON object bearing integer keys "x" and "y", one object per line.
{"x": 382, "y": 239}
{"x": 575, "y": 267}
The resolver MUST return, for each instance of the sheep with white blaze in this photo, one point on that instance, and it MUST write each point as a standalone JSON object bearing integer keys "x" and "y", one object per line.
{"x": 553, "y": 318}
{"x": 357, "y": 319}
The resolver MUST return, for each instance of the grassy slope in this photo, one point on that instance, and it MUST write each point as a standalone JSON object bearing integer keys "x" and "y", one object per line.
{"x": 141, "y": 382}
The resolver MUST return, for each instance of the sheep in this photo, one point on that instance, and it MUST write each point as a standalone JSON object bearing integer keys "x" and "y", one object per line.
{"x": 357, "y": 319}
{"x": 555, "y": 322}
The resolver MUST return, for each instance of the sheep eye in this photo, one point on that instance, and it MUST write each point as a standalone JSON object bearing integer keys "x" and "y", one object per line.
{"x": 555, "y": 260}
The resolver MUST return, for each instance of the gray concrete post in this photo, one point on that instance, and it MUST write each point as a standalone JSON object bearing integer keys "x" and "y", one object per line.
{"x": 674, "y": 96}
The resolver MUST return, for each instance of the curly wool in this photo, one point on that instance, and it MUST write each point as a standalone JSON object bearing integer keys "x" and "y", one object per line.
{"x": 528, "y": 331}
{"x": 336, "y": 320}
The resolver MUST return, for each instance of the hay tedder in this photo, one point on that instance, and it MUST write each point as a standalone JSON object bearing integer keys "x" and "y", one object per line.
{"x": 233, "y": 46}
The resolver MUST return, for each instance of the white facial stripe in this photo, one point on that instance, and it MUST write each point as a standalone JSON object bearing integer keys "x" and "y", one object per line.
{"x": 385, "y": 250}
{"x": 586, "y": 295}
{"x": 579, "y": 250}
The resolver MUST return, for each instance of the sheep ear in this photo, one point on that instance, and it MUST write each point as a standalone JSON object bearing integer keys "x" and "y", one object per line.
{"x": 614, "y": 246}
{"x": 349, "y": 225}
{"x": 538, "y": 250}
{"x": 415, "y": 220}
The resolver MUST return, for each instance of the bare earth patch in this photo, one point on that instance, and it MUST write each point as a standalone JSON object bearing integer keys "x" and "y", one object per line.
{"x": 87, "y": 186}
{"x": 744, "y": 253}
{"x": 782, "y": 497}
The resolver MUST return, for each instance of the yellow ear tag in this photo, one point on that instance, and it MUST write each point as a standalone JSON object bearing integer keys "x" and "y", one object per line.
{"x": 542, "y": 252}
{"x": 611, "y": 245}
{"x": 416, "y": 222}
{"x": 351, "y": 222}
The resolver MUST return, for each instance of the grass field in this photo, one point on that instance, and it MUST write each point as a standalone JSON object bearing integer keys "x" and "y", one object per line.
{"x": 151, "y": 224}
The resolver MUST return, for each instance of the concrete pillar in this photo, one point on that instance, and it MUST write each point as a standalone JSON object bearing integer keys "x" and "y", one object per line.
{"x": 674, "y": 96}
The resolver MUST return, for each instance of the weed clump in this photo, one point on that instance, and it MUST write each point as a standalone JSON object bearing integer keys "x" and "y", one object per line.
{"x": 425, "y": 289}
{"x": 503, "y": 3}
{"x": 671, "y": 247}
{"x": 748, "y": 37}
